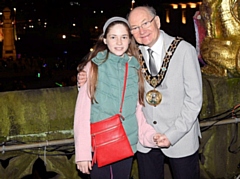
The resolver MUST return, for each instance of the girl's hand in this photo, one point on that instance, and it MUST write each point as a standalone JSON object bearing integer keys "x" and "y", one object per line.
{"x": 84, "y": 166}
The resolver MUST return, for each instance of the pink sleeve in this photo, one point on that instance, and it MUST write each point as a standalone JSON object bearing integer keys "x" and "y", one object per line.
{"x": 145, "y": 130}
{"x": 82, "y": 137}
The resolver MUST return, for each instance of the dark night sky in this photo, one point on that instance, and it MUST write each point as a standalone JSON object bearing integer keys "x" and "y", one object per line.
{"x": 111, "y": 7}
{"x": 114, "y": 5}
{"x": 60, "y": 16}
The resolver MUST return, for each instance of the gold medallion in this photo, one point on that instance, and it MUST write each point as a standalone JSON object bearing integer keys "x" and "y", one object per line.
{"x": 153, "y": 97}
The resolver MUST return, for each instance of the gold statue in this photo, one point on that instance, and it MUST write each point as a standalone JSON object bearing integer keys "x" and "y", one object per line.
{"x": 221, "y": 47}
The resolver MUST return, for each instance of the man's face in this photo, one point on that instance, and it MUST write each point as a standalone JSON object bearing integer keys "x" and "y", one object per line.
{"x": 142, "y": 34}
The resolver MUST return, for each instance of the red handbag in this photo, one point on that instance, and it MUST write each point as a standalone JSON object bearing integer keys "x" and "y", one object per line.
{"x": 109, "y": 140}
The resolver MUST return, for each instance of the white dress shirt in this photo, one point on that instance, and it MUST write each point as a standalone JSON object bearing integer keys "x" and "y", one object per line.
{"x": 158, "y": 52}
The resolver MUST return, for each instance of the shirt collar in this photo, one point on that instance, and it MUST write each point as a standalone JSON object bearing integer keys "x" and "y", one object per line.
{"x": 158, "y": 45}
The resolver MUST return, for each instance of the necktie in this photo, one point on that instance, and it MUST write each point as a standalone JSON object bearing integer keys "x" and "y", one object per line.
{"x": 152, "y": 65}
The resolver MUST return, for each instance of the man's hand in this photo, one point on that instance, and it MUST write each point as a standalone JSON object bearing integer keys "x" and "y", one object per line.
{"x": 81, "y": 78}
{"x": 161, "y": 140}
{"x": 84, "y": 166}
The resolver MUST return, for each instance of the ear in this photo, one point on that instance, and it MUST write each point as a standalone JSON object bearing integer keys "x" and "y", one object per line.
{"x": 157, "y": 20}
{"x": 104, "y": 41}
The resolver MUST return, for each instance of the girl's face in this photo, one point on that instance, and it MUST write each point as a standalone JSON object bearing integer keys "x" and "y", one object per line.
{"x": 117, "y": 39}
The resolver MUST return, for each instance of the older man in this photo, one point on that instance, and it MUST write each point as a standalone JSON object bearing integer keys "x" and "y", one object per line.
{"x": 173, "y": 90}
{"x": 178, "y": 82}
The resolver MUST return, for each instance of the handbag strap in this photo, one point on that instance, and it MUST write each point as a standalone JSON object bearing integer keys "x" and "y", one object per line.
{"x": 124, "y": 86}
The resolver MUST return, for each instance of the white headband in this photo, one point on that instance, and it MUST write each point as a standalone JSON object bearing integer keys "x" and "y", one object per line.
{"x": 113, "y": 19}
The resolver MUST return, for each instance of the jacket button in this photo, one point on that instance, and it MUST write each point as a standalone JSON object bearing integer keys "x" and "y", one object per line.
{"x": 154, "y": 122}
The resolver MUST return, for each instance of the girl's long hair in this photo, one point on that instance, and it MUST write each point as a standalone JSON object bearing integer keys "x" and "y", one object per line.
{"x": 100, "y": 46}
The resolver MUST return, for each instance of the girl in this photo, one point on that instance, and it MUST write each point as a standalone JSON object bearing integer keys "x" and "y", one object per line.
{"x": 100, "y": 98}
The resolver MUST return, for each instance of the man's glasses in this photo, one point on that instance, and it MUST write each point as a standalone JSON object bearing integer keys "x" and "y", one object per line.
{"x": 145, "y": 25}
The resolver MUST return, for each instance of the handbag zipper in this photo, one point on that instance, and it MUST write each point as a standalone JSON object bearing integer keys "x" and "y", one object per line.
{"x": 105, "y": 130}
